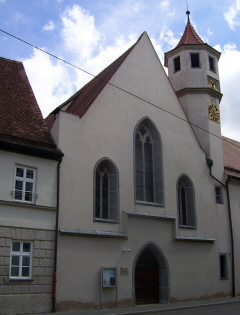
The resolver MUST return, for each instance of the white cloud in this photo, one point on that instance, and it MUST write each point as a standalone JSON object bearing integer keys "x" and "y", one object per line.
{"x": 167, "y": 36}
{"x": 232, "y": 16}
{"x": 49, "y": 26}
{"x": 81, "y": 45}
{"x": 79, "y": 32}
{"x": 50, "y": 81}
{"x": 165, "y": 6}
{"x": 229, "y": 68}
{"x": 209, "y": 32}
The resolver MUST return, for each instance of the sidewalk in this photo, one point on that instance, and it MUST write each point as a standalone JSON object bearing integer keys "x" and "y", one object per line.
{"x": 153, "y": 308}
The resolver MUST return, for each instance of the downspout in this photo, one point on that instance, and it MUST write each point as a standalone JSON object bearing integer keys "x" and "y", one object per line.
{"x": 210, "y": 164}
{"x": 56, "y": 242}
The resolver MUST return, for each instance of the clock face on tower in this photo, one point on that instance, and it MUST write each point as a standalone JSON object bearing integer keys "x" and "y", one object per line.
{"x": 213, "y": 112}
{"x": 213, "y": 84}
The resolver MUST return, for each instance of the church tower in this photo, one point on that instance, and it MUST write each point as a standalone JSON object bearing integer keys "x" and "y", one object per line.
{"x": 193, "y": 73}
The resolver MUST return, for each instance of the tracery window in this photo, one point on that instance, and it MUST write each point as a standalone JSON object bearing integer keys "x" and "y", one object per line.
{"x": 106, "y": 204}
{"x": 102, "y": 192}
{"x": 186, "y": 202}
{"x": 144, "y": 164}
{"x": 148, "y": 163}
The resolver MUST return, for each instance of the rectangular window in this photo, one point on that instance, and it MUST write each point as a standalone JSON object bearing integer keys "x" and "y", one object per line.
{"x": 212, "y": 64}
{"x": 176, "y": 64}
{"x": 21, "y": 260}
{"x": 223, "y": 261}
{"x": 218, "y": 194}
{"x": 24, "y": 184}
{"x": 195, "y": 60}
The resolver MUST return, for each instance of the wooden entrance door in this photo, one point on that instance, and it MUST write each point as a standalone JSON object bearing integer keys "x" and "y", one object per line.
{"x": 147, "y": 279}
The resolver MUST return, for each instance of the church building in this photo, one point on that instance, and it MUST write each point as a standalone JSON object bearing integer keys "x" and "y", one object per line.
{"x": 144, "y": 195}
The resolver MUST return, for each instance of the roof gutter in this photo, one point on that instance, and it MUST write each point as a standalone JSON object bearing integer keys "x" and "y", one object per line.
{"x": 210, "y": 164}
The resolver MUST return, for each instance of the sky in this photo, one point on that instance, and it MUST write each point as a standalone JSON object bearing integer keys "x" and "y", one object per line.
{"x": 90, "y": 34}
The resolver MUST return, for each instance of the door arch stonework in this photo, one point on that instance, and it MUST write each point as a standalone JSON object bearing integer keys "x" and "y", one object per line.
{"x": 163, "y": 281}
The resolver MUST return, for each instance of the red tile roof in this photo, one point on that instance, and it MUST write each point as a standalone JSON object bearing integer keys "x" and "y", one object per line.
{"x": 189, "y": 37}
{"x": 231, "y": 157}
{"x": 21, "y": 121}
{"x": 83, "y": 99}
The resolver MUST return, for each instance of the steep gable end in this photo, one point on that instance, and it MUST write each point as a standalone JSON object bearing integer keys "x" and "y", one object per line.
{"x": 80, "y": 102}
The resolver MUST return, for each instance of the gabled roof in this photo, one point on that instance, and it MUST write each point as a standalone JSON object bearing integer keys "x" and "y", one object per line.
{"x": 79, "y": 103}
{"x": 22, "y": 127}
{"x": 231, "y": 157}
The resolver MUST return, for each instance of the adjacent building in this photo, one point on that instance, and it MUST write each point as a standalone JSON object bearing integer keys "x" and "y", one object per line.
{"x": 29, "y": 162}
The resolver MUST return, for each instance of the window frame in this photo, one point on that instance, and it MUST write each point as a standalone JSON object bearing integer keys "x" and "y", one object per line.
{"x": 191, "y": 60}
{"x": 212, "y": 64}
{"x": 25, "y": 180}
{"x": 158, "y": 181}
{"x": 21, "y": 254}
{"x": 175, "y": 63}
{"x": 223, "y": 266}
{"x": 190, "y": 212}
{"x": 220, "y": 195}
{"x": 113, "y": 191}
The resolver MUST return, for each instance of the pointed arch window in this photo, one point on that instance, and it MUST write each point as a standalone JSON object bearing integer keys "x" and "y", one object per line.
{"x": 148, "y": 164}
{"x": 106, "y": 191}
{"x": 186, "y": 202}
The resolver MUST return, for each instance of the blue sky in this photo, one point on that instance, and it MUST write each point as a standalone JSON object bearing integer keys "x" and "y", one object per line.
{"x": 92, "y": 33}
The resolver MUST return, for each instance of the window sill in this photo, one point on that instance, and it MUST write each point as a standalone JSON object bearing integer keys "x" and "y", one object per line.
{"x": 20, "y": 279}
{"x": 224, "y": 278}
{"x": 105, "y": 220}
{"x": 188, "y": 227}
{"x": 146, "y": 203}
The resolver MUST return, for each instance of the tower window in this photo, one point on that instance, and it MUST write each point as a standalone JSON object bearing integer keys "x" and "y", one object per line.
{"x": 176, "y": 64}
{"x": 212, "y": 64}
{"x": 195, "y": 60}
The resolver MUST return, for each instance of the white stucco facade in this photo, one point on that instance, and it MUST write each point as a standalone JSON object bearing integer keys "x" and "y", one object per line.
{"x": 27, "y": 223}
{"x": 187, "y": 257}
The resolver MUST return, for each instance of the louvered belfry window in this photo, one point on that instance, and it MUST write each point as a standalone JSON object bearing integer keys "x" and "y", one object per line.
{"x": 144, "y": 164}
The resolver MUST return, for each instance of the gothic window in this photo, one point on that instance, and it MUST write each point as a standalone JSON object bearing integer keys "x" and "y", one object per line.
{"x": 148, "y": 164}
{"x": 186, "y": 202}
{"x": 106, "y": 191}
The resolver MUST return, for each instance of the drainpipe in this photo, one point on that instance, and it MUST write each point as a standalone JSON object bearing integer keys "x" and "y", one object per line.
{"x": 56, "y": 242}
{"x": 210, "y": 164}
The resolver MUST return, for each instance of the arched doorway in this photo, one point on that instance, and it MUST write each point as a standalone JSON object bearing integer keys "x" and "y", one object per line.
{"x": 151, "y": 275}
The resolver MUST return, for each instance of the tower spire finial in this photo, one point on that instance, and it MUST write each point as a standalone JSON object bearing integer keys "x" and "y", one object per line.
{"x": 188, "y": 13}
